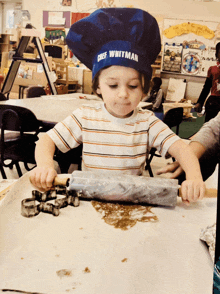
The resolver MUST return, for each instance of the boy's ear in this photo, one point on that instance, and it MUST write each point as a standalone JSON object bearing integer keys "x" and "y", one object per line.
{"x": 98, "y": 91}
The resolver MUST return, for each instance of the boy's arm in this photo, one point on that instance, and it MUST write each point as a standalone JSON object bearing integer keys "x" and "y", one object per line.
{"x": 175, "y": 167}
{"x": 206, "y": 139}
{"x": 194, "y": 187}
{"x": 43, "y": 175}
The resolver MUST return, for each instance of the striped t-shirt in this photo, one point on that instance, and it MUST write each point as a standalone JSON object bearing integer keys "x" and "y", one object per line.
{"x": 111, "y": 143}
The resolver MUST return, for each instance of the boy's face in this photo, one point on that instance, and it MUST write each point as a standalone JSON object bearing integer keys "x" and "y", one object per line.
{"x": 121, "y": 90}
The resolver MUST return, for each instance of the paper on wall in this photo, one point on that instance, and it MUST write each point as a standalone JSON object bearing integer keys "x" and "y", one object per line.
{"x": 55, "y": 17}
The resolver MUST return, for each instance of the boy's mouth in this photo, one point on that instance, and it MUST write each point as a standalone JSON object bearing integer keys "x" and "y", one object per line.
{"x": 124, "y": 104}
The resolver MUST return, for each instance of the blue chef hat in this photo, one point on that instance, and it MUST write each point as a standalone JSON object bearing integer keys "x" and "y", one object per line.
{"x": 116, "y": 36}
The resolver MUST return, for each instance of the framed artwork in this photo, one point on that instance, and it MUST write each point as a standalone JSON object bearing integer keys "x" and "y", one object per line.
{"x": 66, "y": 2}
{"x": 172, "y": 57}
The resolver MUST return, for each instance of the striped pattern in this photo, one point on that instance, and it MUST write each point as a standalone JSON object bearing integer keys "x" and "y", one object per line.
{"x": 111, "y": 143}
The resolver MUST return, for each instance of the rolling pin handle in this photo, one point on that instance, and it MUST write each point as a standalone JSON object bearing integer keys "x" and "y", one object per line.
{"x": 59, "y": 181}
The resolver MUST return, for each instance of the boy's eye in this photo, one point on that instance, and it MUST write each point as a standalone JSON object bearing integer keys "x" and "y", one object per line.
{"x": 129, "y": 86}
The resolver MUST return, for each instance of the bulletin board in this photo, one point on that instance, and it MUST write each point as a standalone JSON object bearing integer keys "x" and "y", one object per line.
{"x": 57, "y": 18}
{"x": 189, "y": 46}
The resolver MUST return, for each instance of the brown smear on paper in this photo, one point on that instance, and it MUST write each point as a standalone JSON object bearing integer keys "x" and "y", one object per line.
{"x": 124, "y": 216}
{"x": 64, "y": 273}
{"x": 87, "y": 270}
{"x": 4, "y": 192}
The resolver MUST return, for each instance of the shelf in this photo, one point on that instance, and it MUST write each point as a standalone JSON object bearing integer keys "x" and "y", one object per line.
{"x": 189, "y": 78}
{"x": 156, "y": 66}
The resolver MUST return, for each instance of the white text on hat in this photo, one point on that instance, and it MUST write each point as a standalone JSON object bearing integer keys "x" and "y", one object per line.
{"x": 120, "y": 54}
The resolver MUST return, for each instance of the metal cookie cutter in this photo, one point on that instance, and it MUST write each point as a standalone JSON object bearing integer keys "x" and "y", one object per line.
{"x": 38, "y": 203}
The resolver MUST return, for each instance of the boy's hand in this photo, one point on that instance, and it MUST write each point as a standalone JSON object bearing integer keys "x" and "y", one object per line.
{"x": 173, "y": 168}
{"x": 192, "y": 190}
{"x": 42, "y": 178}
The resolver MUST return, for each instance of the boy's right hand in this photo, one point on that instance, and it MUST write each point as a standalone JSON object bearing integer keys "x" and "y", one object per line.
{"x": 42, "y": 178}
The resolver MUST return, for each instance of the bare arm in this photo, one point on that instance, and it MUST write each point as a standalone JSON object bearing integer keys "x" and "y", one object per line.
{"x": 197, "y": 148}
{"x": 206, "y": 139}
{"x": 187, "y": 159}
{"x": 146, "y": 98}
{"x": 158, "y": 99}
{"x": 194, "y": 187}
{"x": 43, "y": 175}
{"x": 175, "y": 168}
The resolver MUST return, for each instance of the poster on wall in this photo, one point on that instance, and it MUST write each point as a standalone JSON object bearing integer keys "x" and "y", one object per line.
{"x": 172, "y": 57}
{"x": 208, "y": 59}
{"x": 56, "y": 18}
{"x": 191, "y": 62}
{"x": 198, "y": 40}
{"x": 197, "y": 62}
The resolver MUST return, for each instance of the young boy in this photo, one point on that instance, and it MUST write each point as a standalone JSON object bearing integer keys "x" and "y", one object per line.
{"x": 118, "y": 45}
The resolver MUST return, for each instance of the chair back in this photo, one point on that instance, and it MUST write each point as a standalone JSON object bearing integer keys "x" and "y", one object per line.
{"x": 2, "y": 97}
{"x": 173, "y": 118}
{"x": 35, "y": 91}
{"x": 17, "y": 118}
{"x": 10, "y": 121}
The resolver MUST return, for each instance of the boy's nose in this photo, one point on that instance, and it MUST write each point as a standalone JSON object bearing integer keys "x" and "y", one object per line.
{"x": 123, "y": 92}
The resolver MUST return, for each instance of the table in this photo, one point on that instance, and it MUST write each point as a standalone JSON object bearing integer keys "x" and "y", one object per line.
{"x": 186, "y": 107}
{"x": 81, "y": 252}
{"x": 55, "y": 108}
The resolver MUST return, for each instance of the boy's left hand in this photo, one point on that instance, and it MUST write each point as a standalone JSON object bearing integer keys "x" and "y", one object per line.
{"x": 174, "y": 168}
{"x": 192, "y": 190}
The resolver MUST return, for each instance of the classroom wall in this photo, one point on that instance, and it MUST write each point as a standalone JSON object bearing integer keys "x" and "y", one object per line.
{"x": 181, "y": 9}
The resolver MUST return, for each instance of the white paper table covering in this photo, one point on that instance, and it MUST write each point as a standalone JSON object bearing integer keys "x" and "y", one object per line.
{"x": 79, "y": 253}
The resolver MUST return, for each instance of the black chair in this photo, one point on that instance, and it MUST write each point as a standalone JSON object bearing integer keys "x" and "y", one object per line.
{"x": 64, "y": 160}
{"x": 2, "y": 97}
{"x": 172, "y": 118}
{"x": 35, "y": 91}
{"x": 19, "y": 133}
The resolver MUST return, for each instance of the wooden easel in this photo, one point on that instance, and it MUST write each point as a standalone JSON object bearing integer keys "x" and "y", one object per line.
{"x": 18, "y": 57}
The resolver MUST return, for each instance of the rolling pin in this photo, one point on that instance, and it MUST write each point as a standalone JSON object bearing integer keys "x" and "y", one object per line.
{"x": 122, "y": 188}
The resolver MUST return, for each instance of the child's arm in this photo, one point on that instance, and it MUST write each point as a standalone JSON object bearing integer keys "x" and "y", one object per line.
{"x": 158, "y": 100}
{"x": 43, "y": 175}
{"x": 146, "y": 98}
{"x": 175, "y": 167}
{"x": 193, "y": 188}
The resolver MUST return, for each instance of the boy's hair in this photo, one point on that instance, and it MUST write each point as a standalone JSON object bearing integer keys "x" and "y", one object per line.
{"x": 145, "y": 83}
